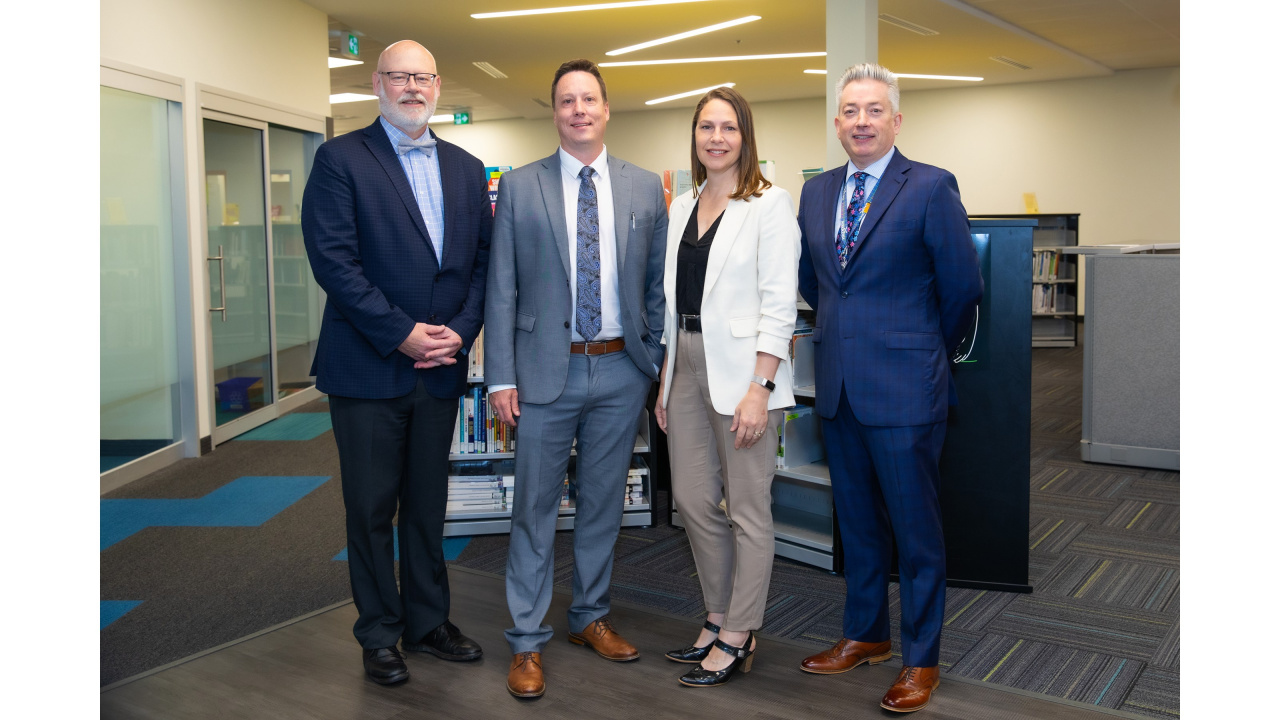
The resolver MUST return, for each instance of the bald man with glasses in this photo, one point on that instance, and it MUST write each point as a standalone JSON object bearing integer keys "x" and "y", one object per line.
{"x": 397, "y": 225}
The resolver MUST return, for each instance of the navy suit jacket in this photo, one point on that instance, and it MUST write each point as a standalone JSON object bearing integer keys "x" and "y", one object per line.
{"x": 888, "y": 323}
{"x": 370, "y": 252}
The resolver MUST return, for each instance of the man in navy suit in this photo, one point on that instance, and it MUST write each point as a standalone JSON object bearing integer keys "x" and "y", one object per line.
{"x": 889, "y": 266}
{"x": 397, "y": 225}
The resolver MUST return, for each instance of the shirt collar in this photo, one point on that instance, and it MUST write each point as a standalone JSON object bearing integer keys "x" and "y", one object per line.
{"x": 573, "y": 165}
{"x": 875, "y": 170}
{"x": 394, "y": 133}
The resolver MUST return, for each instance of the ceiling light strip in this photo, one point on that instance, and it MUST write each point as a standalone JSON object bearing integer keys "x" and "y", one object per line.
{"x": 683, "y": 35}
{"x": 350, "y": 97}
{"x": 579, "y": 8}
{"x": 691, "y": 93}
{"x": 963, "y": 78}
{"x": 343, "y": 62}
{"x": 440, "y": 119}
{"x": 722, "y": 58}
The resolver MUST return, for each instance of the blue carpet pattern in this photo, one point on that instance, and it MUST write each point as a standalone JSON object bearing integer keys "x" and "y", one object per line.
{"x": 113, "y": 610}
{"x": 244, "y": 502}
{"x": 294, "y": 426}
{"x": 453, "y": 546}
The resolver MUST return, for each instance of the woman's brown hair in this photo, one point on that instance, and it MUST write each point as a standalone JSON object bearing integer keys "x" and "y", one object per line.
{"x": 751, "y": 182}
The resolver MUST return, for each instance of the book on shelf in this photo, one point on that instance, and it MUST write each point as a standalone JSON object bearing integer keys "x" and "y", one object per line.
{"x": 493, "y": 173}
{"x": 799, "y": 438}
{"x": 478, "y": 430}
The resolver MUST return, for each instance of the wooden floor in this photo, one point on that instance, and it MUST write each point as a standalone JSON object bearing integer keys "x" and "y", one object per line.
{"x": 312, "y": 669}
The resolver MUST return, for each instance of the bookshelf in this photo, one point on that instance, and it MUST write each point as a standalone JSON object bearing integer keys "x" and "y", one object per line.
{"x": 484, "y": 451}
{"x": 1055, "y": 276}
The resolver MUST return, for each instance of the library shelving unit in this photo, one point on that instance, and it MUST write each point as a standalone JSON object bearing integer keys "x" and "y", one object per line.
{"x": 496, "y": 519}
{"x": 1055, "y": 274}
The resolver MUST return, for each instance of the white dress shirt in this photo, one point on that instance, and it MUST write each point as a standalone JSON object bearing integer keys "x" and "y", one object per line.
{"x": 610, "y": 307}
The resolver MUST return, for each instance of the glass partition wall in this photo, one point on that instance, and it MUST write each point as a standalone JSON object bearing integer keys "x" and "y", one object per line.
{"x": 140, "y": 396}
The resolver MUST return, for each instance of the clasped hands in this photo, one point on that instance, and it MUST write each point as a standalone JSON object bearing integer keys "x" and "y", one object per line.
{"x": 431, "y": 345}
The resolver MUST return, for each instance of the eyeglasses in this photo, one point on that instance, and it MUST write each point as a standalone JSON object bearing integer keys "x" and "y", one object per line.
{"x": 400, "y": 79}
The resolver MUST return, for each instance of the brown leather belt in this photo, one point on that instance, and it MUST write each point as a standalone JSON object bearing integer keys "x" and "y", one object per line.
{"x": 597, "y": 348}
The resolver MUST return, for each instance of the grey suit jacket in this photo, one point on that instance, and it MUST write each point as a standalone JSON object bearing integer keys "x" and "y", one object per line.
{"x": 529, "y": 306}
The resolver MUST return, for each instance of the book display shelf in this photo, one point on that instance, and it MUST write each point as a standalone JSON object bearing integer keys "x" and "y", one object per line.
{"x": 1055, "y": 274}
{"x": 482, "y": 468}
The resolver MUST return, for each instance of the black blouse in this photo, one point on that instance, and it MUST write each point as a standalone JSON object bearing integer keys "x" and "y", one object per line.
{"x": 691, "y": 264}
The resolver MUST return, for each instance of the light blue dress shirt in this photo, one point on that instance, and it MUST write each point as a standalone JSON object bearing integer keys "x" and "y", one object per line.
{"x": 423, "y": 172}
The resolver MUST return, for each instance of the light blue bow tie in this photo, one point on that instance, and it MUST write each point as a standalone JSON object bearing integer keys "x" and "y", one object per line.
{"x": 426, "y": 144}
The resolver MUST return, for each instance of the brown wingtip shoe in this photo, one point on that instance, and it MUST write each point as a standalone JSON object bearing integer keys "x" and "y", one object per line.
{"x": 524, "y": 679}
{"x": 846, "y": 655}
{"x": 608, "y": 644}
{"x": 912, "y": 690}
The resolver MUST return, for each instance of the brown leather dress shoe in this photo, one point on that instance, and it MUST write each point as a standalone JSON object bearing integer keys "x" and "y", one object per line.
{"x": 912, "y": 690}
{"x": 846, "y": 655}
{"x": 608, "y": 644}
{"x": 524, "y": 679}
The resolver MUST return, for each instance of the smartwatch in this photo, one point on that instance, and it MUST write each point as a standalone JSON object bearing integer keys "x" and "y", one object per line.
{"x": 766, "y": 384}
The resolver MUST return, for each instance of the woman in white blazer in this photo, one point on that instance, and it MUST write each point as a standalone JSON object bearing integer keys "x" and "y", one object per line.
{"x": 733, "y": 248}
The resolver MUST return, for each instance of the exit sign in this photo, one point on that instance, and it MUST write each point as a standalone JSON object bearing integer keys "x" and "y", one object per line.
{"x": 353, "y": 45}
{"x": 462, "y": 118}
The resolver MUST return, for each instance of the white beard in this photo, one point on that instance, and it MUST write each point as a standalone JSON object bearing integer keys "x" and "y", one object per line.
{"x": 397, "y": 114}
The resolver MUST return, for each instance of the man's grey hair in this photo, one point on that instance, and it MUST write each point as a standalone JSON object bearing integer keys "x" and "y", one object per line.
{"x": 871, "y": 71}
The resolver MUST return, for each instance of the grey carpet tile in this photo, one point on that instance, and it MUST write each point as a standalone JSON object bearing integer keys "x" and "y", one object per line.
{"x": 1092, "y": 510}
{"x": 1055, "y": 425}
{"x": 1168, "y": 653}
{"x": 971, "y": 610}
{"x": 1079, "y": 482}
{"x": 1121, "y": 544}
{"x": 1112, "y": 582}
{"x": 1038, "y": 564}
{"x": 1078, "y": 624}
{"x": 1085, "y": 676}
{"x": 1155, "y": 693}
{"x": 1162, "y": 490}
{"x": 1146, "y": 516}
{"x": 955, "y": 645}
{"x": 790, "y": 614}
{"x": 1053, "y": 534}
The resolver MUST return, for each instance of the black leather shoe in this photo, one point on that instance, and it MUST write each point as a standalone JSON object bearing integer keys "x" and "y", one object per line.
{"x": 742, "y": 657}
{"x": 446, "y": 642}
{"x": 385, "y": 666}
{"x": 693, "y": 653}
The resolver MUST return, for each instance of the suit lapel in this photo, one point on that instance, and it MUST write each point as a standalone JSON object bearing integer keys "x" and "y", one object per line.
{"x": 895, "y": 175}
{"x": 831, "y": 196}
{"x": 553, "y": 198}
{"x": 620, "y": 180}
{"x": 448, "y": 190}
{"x": 380, "y": 145}
{"x": 735, "y": 214}
{"x": 681, "y": 209}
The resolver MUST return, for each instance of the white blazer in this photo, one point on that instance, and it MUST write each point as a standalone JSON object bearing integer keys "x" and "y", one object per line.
{"x": 748, "y": 297}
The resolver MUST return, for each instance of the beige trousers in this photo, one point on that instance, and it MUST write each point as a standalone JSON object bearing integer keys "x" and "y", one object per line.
{"x": 732, "y": 547}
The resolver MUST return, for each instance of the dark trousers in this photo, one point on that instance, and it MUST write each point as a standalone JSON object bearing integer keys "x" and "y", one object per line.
{"x": 395, "y": 452}
{"x": 885, "y": 484}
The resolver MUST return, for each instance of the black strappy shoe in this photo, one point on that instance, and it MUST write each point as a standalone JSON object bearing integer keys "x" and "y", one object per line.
{"x": 742, "y": 656}
{"x": 693, "y": 653}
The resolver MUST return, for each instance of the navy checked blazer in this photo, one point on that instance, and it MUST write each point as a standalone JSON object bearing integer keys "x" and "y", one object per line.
{"x": 888, "y": 323}
{"x": 370, "y": 252}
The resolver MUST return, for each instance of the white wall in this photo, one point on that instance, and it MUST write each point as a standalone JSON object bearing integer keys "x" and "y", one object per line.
{"x": 1106, "y": 148}
{"x": 273, "y": 51}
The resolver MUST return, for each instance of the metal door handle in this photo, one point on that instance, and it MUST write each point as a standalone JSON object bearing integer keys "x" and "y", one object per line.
{"x": 222, "y": 283}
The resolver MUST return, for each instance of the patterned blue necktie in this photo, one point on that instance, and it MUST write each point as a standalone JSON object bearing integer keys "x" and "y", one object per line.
{"x": 588, "y": 305}
{"x": 847, "y": 235}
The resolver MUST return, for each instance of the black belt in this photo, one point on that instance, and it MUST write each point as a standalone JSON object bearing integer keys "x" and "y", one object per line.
{"x": 690, "y": 323}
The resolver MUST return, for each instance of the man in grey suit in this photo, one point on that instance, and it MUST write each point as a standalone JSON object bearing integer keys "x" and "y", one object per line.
{"x": 573, "y": 323}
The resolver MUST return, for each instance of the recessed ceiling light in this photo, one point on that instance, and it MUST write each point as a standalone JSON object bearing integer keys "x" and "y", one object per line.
{"x": 579, "y": 8}
{"x": 490, "y": 70}
{"x": 441, "y": 119}
{"x": 683, "y": 35}
{"x": 691, "y": 93}
{"x": 343, "y": 62}
{"x": 722, "y": 58}
{"x": 350, "y": 97}
{"x": 963, "y": 78}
